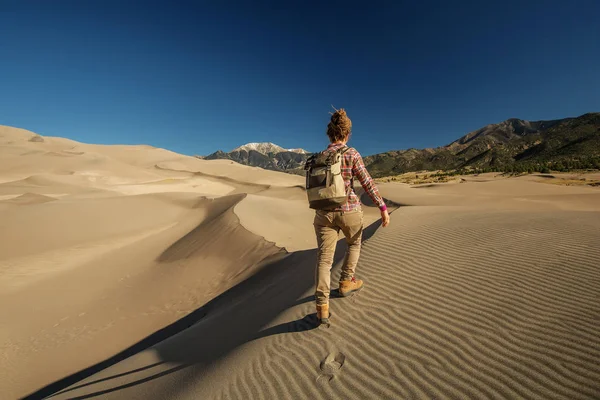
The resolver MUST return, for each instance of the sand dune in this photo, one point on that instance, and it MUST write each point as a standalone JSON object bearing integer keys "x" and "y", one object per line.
{"x": 113, "y": 289}
{"x": 100, "y": 248}
{"x": 509, "y": 194}
{"x": 135, "y": 272}
{"x": 466, "y": 304}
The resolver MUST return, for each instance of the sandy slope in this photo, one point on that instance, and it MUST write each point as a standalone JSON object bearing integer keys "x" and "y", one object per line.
{"x": 460, "y": 303}
{"x": 101, "y": 247}
{"x": 135, "y": 272}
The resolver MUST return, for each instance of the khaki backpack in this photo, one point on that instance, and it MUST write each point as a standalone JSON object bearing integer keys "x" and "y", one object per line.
{"x": 325, "y": 186}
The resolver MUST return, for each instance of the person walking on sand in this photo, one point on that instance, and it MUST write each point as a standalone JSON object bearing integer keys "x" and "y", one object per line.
{"x": 330, "y": 188}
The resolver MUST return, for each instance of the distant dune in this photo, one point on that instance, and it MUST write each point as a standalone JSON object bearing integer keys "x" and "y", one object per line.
{"x": 135, "y": 272}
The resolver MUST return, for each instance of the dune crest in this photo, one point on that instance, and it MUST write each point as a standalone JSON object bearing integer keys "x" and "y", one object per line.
{"x": 112, "y": 247}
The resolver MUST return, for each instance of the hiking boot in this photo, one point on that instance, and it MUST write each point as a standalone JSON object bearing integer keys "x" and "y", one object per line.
{"x": 323, "y": 313}
{"x": 350, "y": 286}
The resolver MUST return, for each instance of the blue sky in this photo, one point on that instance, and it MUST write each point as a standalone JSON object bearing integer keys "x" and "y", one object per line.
{"x": 195, "y": 77}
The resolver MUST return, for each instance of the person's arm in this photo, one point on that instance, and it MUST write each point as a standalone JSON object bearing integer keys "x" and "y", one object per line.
{"x": 360, "y": 171}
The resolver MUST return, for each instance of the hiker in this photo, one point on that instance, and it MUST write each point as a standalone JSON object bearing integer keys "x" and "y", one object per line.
{"x": 330, "y": 188}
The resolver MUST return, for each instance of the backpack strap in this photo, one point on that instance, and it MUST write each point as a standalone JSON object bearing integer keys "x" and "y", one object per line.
{"x": 308, "y": 162}
{"x": 342, "y": 151}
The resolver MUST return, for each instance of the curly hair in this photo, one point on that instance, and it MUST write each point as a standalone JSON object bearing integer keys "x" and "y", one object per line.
{"x": 340, "y": 126}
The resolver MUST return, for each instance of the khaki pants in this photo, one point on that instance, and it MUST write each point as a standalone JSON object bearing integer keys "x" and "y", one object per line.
{"x": 327, "y": 227}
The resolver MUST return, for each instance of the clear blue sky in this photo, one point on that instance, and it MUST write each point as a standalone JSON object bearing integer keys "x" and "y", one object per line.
{"x": 195, "y": 76}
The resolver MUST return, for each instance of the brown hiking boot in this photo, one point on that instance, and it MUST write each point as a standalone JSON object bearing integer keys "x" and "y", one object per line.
{"x": 323, "y": 313}
{"x": 350, "y": 286}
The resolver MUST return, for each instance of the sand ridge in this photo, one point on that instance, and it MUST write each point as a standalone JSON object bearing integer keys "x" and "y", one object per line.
{"x": 112, "y": 247}
{"x": 474, "y": 314}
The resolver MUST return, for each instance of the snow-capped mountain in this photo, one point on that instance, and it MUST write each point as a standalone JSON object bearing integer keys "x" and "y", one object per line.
{"x": 267, "y": 156}
{"x": 266, "y": 148}
{"x": 299, "y": 151}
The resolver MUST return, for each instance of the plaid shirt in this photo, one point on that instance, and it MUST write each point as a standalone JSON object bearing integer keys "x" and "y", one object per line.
{"x": 352, "y": 165}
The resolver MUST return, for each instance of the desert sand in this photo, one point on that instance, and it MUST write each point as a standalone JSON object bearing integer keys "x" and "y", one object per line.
{"x": 132, "y": 272}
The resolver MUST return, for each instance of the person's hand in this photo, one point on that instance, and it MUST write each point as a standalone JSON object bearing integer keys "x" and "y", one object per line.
{"x": 385, "y": 218}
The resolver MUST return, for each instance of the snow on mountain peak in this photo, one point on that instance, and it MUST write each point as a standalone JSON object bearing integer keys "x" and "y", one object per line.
{"x": 266, "y": 148}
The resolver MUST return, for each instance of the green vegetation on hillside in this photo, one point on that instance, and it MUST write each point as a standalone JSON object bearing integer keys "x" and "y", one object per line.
{"x": 511, "y": 146}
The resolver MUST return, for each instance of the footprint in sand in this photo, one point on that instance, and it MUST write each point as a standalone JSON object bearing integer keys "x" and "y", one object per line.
{"x": 330, "y": 366}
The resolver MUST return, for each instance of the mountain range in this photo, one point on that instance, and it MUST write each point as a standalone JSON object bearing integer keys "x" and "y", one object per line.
{"x": 513, "y": 144}
{"x": 266, "y": 148}
{"x": 265, "y": 155}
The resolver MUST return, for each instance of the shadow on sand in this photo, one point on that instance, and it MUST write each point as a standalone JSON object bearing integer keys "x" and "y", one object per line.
{"x": 235, "y": 317}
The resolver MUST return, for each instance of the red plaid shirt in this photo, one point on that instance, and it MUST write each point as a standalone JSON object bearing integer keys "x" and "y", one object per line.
{"x": 352, "y": 165}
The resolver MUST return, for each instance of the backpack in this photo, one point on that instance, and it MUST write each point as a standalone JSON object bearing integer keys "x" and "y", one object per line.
{"x": 325, "y": 186}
